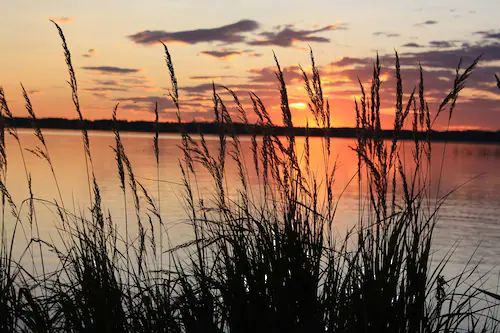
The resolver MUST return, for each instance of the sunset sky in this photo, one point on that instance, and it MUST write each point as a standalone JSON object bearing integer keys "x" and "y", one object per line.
{"x": 118, "y": 59}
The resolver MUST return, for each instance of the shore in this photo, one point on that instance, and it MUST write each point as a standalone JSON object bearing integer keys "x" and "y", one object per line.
{"x": 250, "y": 129}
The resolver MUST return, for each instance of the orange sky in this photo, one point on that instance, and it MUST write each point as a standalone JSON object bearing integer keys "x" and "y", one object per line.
{"x": 118, "y": 59}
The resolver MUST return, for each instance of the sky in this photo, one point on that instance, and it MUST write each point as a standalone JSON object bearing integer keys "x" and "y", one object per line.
{"x": 118, "y": 58}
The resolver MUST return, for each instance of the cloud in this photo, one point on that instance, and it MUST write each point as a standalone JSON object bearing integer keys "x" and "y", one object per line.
{"x": 284, "y": 26}
{"x": 267, "y": 74}
{"x": 441, "y": 43}
{"x": 111, "y": 69}
{"x": 414, "y": 45}
{"x": 163, "y": 103}
{"x": 339, "y": 80}
{"x": 136, "y": 79}
{"x": 428, "y": 22}
{"x": 252, "y": 54}
{"x": 62, "y": 19}
{"x": 104, "y": 89}
{"x": 449, "y": 58}
{"x": 478, "y": 102}
{"x": 288, "y": 36}
{"x": 35, "y": 92}
{"x": 107, "y": 82}
{"x": 212, "y": 78}
{"x": 386, "y": 34}
{"x": 90, "y": 53}
{"x": 223, "y": 54}
{"x": 349, "y": 61}
{"x": 123, "y": 84}
{"x": 100, "y": 95}
{"x": 231, "y": 33}
{"x": 207, "y": 87}
{"x": 488, "y": 34}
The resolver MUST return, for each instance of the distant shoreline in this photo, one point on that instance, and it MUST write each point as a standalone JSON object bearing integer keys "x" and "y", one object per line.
{"x": 239, "y": 128}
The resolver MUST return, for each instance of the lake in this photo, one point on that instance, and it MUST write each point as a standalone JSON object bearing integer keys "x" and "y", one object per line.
{"x": 468, "y": 221}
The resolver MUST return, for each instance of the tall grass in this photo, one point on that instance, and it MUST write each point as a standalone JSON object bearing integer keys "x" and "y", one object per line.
{"x": 265, "y": 255}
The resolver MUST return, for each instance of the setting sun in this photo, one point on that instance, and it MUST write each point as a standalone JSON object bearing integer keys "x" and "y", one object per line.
{"x": 300, "y": 106}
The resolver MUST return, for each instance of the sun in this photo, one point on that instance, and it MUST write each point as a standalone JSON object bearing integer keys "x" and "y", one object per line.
{"x": 299, "y": 105}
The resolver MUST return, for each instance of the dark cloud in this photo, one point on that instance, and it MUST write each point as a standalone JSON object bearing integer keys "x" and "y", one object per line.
{"x": 111, "y": 69}
{"x": 252, "y": 54}
{"x": 232, "y": 33}
{"x": 104, "y": 89}
{"x": 143, "y": 87}
{"x": 165, "y": 105}
{"x": 428, "y": 22}
{"x": 348, "y": 61}
{"x": 283, "y": 26}
{"x": 223, "y": 54}
{"x": 438, "y": 71}
{"x": 146, "y": 103}
{"x": 124, "y": 84}
{"x": 414, "y": 45}
{"x": 386, "y": 34}
{"x": 207, "y": 78}
{"x": 107, "y": 82}
{"x": 207, "y": 87}
{"x": 288, "y": 36}
{"x": 449, "y": 58}
{"x": 100, "y": 95}
{"x": 439, "y": 67}
{"x": 35, "y": 92}
{"x": 478, "y": 105}
{"x": 340, "y": 81}
{"x": 228, "y": 54}
{"x": 493, "y": 35}
{"x": 441, "y": 43}
{"x": 90, "y": 53}
{"x": 489, "y": 34}
{"x": 267, "y": 74}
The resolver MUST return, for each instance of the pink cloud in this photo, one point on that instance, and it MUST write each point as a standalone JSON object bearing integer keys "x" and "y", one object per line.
{"x": 62, "y": 19}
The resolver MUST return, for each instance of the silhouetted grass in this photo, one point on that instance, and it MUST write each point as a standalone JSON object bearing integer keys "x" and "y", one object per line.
{"x": 263, "y": 258}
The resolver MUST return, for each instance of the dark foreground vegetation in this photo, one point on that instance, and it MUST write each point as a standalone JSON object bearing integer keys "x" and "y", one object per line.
{"x": 266, "y": 260}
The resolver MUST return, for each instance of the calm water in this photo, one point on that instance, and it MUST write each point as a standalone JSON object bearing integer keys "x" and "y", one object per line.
{"x": 469, "y": 219}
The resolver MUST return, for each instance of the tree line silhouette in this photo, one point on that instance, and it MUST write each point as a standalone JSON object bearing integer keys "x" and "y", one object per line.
{"x": 247, "y": 129}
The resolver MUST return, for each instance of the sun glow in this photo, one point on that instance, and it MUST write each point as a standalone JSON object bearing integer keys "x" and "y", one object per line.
{"x": 300, "y": 105}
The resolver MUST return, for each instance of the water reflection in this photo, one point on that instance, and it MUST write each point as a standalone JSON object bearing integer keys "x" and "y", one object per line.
{"x": 485, "y": 151}
{"x": 470, "y": 215}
